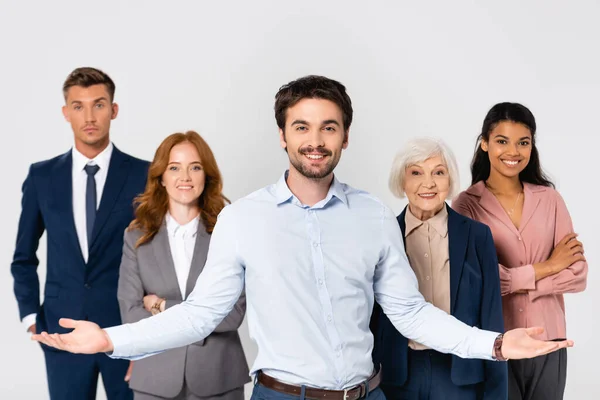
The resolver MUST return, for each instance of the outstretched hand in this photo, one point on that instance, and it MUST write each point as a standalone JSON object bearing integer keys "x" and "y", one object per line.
{"x": 86, "y": 338}
{"x": 519, "y": 343}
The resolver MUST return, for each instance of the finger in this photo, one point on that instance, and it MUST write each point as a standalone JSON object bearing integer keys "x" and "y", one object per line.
{"x": 59, "y": 340}
{"x": 576, "y": 249}
{"x": 534, "y": 331}
{"x": 568, "y": 237}
{"x": 68, "y": 323}
{"x": 546, "y": 347}
{"x": 574, "y": 243}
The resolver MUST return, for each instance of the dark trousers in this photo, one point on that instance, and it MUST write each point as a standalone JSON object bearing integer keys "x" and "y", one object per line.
{"x": 262, "y": 393}
{"x": 429, "y": 379}
{"x": 539, "y": 378}
{"x": 75, "y": 376}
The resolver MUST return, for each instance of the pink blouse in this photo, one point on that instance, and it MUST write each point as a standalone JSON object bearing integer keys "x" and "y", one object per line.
{"x": 544, "y": 222}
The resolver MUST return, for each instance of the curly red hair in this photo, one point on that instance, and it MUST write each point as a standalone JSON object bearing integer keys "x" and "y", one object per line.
{"x": 153, "y": 204}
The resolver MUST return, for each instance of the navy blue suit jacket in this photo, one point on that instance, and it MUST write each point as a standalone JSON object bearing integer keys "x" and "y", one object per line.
{"x": 474, "y": 299}
{"x": 73, "y": 289}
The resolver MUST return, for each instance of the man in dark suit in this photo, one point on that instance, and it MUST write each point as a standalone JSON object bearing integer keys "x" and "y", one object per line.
{"x": 83, "y": 199}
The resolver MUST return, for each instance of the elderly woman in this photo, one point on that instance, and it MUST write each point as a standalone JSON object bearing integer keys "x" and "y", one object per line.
{"x": 455, "y": 264}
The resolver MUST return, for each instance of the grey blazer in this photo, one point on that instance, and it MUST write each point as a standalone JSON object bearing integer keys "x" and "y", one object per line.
{"x": 211, "y": 366}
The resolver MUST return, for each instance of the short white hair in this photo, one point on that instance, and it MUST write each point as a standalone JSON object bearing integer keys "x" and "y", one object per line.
{"x": 419, "y": 150}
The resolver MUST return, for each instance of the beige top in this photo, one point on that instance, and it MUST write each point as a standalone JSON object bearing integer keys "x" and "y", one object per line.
{"x": 427, "y": 251}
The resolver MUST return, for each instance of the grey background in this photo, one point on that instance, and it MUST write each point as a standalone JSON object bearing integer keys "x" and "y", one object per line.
{"x": 412, "y": 69}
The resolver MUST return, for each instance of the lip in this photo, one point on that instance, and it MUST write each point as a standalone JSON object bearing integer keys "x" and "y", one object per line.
{"x": 427, "y": 196}
{"x": 184, "y": 187}
{"x": 315, "y": 160}
{"x": 510, "y": 163}
{"x": 90, "y": 129}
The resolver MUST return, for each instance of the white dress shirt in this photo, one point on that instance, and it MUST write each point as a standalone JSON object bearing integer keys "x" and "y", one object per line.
{"x": 79, "y": 181}
{"x": 311, "y": 275}
{"x": 182, "y": 240}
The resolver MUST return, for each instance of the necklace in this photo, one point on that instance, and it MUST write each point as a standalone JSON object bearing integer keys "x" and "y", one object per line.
{"x": 512, "y": 209}
{"x": 510, "y": 212}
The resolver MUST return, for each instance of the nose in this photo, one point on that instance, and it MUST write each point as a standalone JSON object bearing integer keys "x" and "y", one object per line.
{"x": 429, "y": 182}
{"x": 185, "y": 174}
{"x": 316, "y": 138}
{"x": 513, "y": 150}
{"x": 89, "y": 115}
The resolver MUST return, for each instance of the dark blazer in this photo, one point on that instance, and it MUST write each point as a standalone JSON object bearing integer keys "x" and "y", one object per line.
{"x": 73, "y": 288}
{"x": 212, "y": 366}
{"x": 474, "y": 299}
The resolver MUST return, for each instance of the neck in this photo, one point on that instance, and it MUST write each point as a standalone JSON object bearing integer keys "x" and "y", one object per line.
{"x": 91, "y": 150}
{"x": 183, "y": 213}
{"x": 308, "y": 191}
{"x": 500, "y": 184}
{"x": 422, "y": 214}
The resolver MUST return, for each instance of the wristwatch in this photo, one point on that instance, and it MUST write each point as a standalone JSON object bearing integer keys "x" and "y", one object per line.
{"x": 498, "y": 348}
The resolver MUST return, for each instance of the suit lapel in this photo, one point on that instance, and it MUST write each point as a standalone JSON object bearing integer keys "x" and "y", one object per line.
{"x": 164, "y": 259}
{"x": 62, "y": 184}
{"x": 402, "y": 222}
{"x": 117, "y": 175}
{"x": 458, "y": 239}
{"x": 199, "y": 257}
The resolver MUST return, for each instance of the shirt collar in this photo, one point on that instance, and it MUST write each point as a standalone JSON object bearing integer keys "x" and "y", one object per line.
{"x": 439, "y": 222}
{"x": 188, "y": 230}
{"x": 283, "y": 192}
{"x": 102, "y": 160}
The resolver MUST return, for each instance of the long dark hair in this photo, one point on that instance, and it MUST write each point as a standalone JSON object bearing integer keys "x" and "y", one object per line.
{"x": 513, "y": 112}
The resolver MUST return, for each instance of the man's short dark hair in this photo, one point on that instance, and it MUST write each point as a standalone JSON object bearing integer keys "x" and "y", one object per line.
{"x": 312, "y": 87}
{"x": 86, "y": 77}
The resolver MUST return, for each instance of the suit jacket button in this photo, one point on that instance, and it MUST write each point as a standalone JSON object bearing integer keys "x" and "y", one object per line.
{"x": 87, "y": 286}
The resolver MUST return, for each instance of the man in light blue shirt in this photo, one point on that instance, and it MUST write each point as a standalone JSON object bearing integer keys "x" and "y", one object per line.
{"x": 313, "y": 253}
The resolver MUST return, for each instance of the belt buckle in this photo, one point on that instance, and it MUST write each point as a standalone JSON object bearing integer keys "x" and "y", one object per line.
{"x": 346, "y": 394}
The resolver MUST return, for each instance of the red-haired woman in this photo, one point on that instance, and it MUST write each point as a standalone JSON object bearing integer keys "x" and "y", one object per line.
{"x": 164, "y": 251}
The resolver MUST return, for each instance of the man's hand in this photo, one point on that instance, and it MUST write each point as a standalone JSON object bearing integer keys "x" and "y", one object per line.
{"x": 32, "y": 329}
{"x": 128, "y": 373}
{"x": 86, "y": 338}
{"x": 519, "y": 343}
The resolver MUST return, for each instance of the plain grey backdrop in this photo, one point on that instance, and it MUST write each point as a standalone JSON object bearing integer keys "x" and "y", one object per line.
{"x": 428, "y": 68}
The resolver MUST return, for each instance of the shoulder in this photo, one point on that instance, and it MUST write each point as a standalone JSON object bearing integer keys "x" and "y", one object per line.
{"x": 44, "y": 166}
{"x": 131, "y": 236}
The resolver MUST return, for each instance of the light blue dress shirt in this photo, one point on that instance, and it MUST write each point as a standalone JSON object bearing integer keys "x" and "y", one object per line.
{"x": 311, "y": 274}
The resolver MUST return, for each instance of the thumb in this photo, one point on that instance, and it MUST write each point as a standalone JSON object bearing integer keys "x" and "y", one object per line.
{"x": 536, "y": 330}
{"x": 68, "y": 323}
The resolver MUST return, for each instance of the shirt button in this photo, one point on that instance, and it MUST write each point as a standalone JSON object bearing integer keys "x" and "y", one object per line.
{"x": 428, "y": 277}
{"x": 329, "y": 318}
{"x": 320, "y": 281}
{"x": 338, "y": 354}
{"x": 520, "y": 310}
{"x": 520, "y": 238}
{"x": 426, "y": 255}
{"x": 316, "y": 244}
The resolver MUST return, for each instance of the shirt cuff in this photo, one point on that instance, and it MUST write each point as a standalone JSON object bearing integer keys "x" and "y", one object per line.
{"x": 522, "y": 278}
{"x": 483, "y": 346}
{"x": 543, "y": 287}
{"x": 29, "y": 320}
{"x": 121, "y": 341}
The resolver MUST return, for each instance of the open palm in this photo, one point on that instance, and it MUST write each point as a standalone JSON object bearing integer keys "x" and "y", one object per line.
{"x": 86, "y": 338}
{"x": 519, "y": 343}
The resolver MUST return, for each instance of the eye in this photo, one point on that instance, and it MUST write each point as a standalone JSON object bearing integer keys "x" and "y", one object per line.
{"x": 330, "y": 128}
{"x": 524, "y": 143}
{"x": 77, "y": 108}
{"x": 501, "y": 141}
{"x": 414, "y": 173}
{"x": 173, "y": 168}
{"x": 99, "y": 105}
{"x": 196, "y": 168}
{"x": 300, "y": 128}
{"x": 440, "y": 172}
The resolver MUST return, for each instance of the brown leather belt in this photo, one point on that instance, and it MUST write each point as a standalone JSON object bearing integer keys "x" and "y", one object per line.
{"x": 353, "y": 393}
